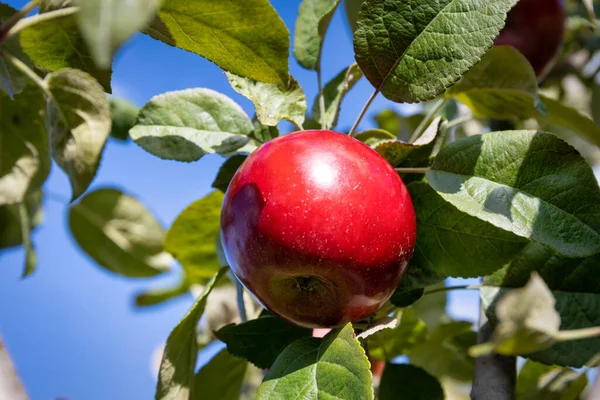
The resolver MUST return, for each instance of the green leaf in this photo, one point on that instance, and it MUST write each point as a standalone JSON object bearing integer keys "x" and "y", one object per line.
{"x": 333, "y": 94}
{"x": 313, "y": 20}
{"x": 226, "y": 172}
{"x": 30, "y": 256}
{"x": 51, "y": 5}
{"x": 454, "y": 243}
{"x": 352, "y": 8}
{"x": 78, "y": 122}
{"x": 575, "y": 286}
{"x": 24, "y": 158}
{"x": 176, "y": 379}
{"x": 539, "y": 381}
{"x": 412, "y": 50}
{"x": 332, "y": 367}
{"x": 191, "y": 239}
{"x": 11, "y": 234}
{"x": 273, "y": 101}
{"x": 387, "y": 344}
{"x": 12, "y": 80}
{"x": 400, "y": 126}
{"x": 530, "y": 183}
{"x": 397, "y": 152}
{"x": 119, "y": 233}
{"x": 187, "y": 124}
{"x": 413, "y": 382}
{"x": 445, "y": 351}
{"x": 526, "y": 320}
{"x": 160, "y": 295}
{"x": 264, "y": 133}
{"x": 431, "y": 308}
{"x": 221, "y": 378}
{"x": 244, "y": 37}
{"x": 261, "y": 340}
{"x": 123, "y": 115}
{"x": 571, "y": 119}
{"x": 64, "y": 47}
{"x": 373, "y": 137}
{"x": 406, "y": 297}
{"x": 106, "y": 24}
{"x": 503, "y": 86}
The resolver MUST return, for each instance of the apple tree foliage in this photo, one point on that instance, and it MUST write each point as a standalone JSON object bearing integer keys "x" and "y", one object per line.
{"x": 519, "y": 208}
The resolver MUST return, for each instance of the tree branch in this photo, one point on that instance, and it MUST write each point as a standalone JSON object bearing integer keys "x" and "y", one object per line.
{"x": 495, "y": 375}
{"x": 594, "y": 392}
{"x": 10, "y": 384}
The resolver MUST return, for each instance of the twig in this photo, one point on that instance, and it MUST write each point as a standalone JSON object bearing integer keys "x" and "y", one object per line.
{"x": 240, "y": 301}
{"x": 12, "y": 21}
{"x": 449, "y": 288}
{"x": 21, "y": 66}
{"x": 362, "y": 112}
{"x": 495, "y": 375}
{"x": 412, "y": 170}
{"x": 36, "y": 19}
{"x": 576, "y": 334}
{"x": 10, "y": 384}
{"x": 594, "y": 393}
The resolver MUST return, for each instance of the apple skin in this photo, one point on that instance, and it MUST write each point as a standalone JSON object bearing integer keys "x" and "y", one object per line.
{"x": 318, "y": 227}
{"x": 536, "y": 28}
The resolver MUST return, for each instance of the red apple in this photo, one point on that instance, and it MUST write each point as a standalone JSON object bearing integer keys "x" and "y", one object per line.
{"x": 536, "y": 28}
{"x": 319, "y": 227}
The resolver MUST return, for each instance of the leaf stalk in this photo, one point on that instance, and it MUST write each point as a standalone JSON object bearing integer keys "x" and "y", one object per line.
{"x": 362, "y": 112}
{"x": 38, "y": 18}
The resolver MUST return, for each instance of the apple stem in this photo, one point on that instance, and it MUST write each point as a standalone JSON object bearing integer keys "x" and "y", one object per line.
{"x": 363, "y": 112}
{"x": 321, "y": 97}
{"x": 412, "y": 170}
{"x": 240, "y": 301}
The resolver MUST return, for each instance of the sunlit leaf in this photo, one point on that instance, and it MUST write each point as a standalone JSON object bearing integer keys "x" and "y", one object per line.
{"x": 187, "y": 124}
{"x": 273, "y": 102}
{"x": 78, "y": 122}
{"x": 221, "y": 378}
{"x": 192, "y": 238}
{"x": 244, "y": 37}
{"x": 412, "y": 50}
{"x": 176, "y": 379}
{"x": 313, "y": 20}
{"x": 511, "y": 180}
{"x": 334, "y": 366}
{"x": 106, "y": 24}
{"x": 64, "y": 47}
{"x": 333, "y": 94}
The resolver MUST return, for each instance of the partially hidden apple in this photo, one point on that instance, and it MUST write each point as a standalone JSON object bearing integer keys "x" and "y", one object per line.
{"x": 536, "y": 29}
{"x": 318, "y": 227}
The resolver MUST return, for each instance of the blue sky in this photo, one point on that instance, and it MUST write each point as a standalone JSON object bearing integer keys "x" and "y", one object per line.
{"x": 71, "y": 328}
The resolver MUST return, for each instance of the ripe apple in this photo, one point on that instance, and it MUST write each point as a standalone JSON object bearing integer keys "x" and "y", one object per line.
{"x": 318, "y": 227}
{"x": 535, "y": 28}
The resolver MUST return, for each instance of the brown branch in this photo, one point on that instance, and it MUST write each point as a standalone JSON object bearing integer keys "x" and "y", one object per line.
{"x": 495, "y": 375}
{"x": 10, "y": 384}
{"x": 594, "y": 392}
